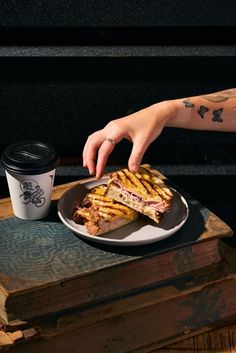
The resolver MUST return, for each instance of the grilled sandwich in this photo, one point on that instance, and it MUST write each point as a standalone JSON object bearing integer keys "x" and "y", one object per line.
{"x": 101, "y": 214}
{"x": 143, "y": 191}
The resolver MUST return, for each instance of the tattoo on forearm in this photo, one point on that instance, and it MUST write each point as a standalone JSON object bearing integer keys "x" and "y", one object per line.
{"x": 216, "y": 97}
{"x": 221, "y": 96}
{"x": 217, "y": 115}
{"x": 202, "y": 110}
{"x": 188, "y": 103}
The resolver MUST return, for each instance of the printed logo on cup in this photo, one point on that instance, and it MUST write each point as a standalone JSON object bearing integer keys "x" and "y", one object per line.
{"x": 32, "y": 192}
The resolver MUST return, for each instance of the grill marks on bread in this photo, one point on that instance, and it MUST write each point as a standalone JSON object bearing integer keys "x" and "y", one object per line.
{"x": 107, "y": 207}
{"x": 143, "y": 183}
{"x": 104, "y": 206}
{"x": 143, "y": 191}
{"x": 96, "y": 208}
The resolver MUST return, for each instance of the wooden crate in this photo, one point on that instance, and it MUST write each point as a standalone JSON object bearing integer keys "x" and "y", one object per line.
{"x": 60, "y": 292}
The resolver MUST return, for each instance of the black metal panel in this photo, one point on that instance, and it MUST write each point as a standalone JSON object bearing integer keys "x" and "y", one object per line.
{"x": 66, "y": 99}
{"x": 74, "y": 13}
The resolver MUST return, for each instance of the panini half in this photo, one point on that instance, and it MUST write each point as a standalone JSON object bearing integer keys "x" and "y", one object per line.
{"x": 101, "y": 214}
{"x": 143, "y": 191}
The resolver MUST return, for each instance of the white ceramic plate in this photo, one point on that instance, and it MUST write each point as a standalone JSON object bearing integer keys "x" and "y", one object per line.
{"x": 141, "y": 231}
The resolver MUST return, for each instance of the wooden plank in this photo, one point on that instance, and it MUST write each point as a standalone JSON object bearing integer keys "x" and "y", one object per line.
{"x": 113, "y": 282}
{"x": 8, "y": 339}
{"x": 195, "y": 295}
{"x": 143, "y": 330}
{"x": 41, "y": 260}
{"x": 5, "y": 339}
{"x": 120, "y": 333}
{"x": 217, "y": 341}
{"x": 133, "y": 301}
{"x": 222, "y": 340}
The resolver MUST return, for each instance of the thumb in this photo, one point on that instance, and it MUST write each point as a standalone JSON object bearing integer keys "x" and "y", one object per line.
{"x": 136, "y": 156}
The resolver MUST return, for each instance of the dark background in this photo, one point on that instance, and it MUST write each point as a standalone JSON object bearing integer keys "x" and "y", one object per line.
{"x": 69, "y": 67}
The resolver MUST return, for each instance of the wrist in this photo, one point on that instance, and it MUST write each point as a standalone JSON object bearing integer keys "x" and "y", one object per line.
{"x": 167, "y": 111}
{"x": 174, "y": 107}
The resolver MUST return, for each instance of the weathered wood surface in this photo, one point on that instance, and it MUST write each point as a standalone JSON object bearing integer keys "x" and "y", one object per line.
{"x": 107, "y": 299}
{"x": 42, "y": 261}
{"x": 138, "y": 324}
{"x": 222, "y": 340}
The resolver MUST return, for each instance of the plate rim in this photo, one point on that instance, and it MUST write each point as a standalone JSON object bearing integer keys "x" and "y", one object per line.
{"x": 117, "y": 242}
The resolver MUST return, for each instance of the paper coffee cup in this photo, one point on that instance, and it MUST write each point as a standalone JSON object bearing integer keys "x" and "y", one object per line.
{"x": 30, "y": 170}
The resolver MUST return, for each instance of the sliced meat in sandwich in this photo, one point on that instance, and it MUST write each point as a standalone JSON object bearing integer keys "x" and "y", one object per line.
{"x": 143, "y": 191}
{"x": 101, "y": 214}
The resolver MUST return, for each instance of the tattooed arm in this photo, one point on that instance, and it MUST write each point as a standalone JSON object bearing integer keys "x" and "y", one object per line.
{"x": 215, "y": 111}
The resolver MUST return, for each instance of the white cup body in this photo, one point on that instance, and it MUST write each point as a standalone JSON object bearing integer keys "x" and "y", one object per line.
{"x": 31, "y": 194}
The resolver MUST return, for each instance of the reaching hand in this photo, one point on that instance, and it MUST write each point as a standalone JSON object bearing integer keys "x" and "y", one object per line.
{"x": 141, "y": 128}
{"x": 212, "y": 112}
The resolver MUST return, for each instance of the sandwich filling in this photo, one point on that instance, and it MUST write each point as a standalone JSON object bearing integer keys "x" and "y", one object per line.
{"x": 143, "y": 191}
{"x": 101, "y": 214}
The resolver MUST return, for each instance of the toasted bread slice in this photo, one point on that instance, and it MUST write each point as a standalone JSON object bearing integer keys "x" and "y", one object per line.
{"x": 143, "y": 191}
{"x": 101, "y": 214}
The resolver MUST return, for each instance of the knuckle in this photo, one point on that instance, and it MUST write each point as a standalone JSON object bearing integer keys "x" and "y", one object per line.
{"x": 112, "y": 126}
{"x": 92, "y": 140}
{"x": 90, "y": 137}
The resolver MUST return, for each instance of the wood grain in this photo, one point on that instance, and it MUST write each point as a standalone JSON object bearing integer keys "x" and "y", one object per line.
{"x": 222, "y": 340}
{"x": 41, "y": 260}
{"x": 66, "y": 288}
{"x": 156, "y": 323}
{"x": 112, "y": 282}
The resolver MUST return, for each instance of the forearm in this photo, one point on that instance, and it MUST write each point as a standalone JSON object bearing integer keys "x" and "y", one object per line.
{"x": 215, "y": 111}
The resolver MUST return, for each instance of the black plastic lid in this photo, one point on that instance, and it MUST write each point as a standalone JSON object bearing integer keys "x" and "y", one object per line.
{"x": 29, "y": 158}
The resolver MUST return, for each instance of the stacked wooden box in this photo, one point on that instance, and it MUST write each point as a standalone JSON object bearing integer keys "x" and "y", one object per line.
{"x": 61, "y": 292}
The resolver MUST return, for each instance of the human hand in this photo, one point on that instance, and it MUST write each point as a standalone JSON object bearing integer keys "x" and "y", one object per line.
{"x": 141, "y": 128}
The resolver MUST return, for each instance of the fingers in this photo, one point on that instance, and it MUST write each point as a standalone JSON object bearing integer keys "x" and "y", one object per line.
{"x": 103, "y": 154}
{"x": 99, "y": 146}
{"x": 96, "y": 152}
{"x": 137, "y": 153}
{"x": 93, "y": 143}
